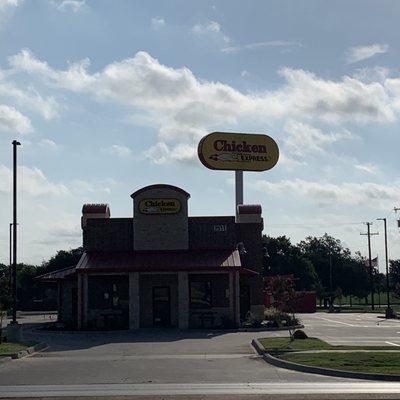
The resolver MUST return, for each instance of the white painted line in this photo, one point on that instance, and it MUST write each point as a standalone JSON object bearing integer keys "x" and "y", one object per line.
{"x": 393, "y": 344}
{"x": 152, "y": 389}
{"x": 336, "y": 322}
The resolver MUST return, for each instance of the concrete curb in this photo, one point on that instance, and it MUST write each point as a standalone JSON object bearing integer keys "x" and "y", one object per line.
{"x": 265, "y": 329}
{"x": 277, "y": 362}
{"x": 24, "y": 353}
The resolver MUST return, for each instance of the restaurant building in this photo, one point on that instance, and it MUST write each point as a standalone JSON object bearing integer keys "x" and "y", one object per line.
{"x": 162, "y": 268}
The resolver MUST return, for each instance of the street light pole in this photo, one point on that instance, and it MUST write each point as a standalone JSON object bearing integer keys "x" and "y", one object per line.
{"x": 15, "y": 143}
{"x": 388, "y": 310}
{"x": 10, "y": 264}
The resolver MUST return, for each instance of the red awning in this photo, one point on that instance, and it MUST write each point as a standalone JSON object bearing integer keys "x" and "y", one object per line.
{"x": 162, "y": 261}
{"x": 58, "y": 275}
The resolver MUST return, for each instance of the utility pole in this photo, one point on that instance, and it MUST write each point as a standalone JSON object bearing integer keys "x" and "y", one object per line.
{"x": 371, "y": 274}
{"x": 388, "y": 310}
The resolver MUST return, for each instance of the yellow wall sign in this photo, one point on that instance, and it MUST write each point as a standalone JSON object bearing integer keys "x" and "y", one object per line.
{"x": 238, "y": 151}
{"x": 159, "y": 206}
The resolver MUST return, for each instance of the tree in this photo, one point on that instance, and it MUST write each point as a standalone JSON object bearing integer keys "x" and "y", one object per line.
{"x": 283, "y": 258}
{"x": 394, "y": 271}
{"x": 62, "y": 259}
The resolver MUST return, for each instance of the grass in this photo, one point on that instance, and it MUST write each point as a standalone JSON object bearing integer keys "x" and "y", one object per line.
{"x": 7, "y": 348}
{"x": 381, "y": 363}
{"x": 284, "y": 344}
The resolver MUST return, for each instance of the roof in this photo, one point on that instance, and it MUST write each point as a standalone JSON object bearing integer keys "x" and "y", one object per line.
{"x": 160, "y": 186}
{"x": 57, "y": 275}
{"x": 161, "y": 261}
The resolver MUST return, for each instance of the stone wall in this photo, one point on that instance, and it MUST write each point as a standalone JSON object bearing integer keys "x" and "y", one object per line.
{"x": 160, "y": 231}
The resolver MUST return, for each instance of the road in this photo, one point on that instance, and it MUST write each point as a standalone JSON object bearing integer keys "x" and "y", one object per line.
{"x": 191, "y": 362}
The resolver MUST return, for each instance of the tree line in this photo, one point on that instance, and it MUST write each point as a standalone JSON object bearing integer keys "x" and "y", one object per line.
{"x": 312, "y": 261}
{"x": 32, "y": 294}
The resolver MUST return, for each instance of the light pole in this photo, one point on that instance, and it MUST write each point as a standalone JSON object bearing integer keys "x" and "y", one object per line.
{"x": 389, "y": 311}
{"x": 10, "y": 264}
{"x": 15, "y": 143}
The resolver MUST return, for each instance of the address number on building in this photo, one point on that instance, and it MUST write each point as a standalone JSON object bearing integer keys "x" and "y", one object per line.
{"x": 159, "y": 206}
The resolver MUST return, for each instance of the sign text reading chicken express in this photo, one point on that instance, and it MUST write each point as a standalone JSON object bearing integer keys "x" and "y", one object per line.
{"x": 159, "y": 206}
{"x": 238, "y": 151}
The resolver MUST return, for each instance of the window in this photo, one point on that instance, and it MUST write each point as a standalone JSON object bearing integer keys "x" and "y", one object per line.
{"x": 200, "y": 294}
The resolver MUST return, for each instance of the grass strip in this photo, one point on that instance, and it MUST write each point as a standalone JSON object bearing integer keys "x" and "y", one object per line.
{"x": 284, "y": 344}
{"x": 378, "y": 363}
{"x": 8, "y": 348}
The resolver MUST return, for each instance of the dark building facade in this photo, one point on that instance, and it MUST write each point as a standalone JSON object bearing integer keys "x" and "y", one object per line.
{"x": 162, "y": 267}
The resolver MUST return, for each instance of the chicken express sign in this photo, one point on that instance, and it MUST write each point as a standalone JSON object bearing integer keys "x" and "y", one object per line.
{"x": 238, "y": 151}
{"x": 159, "y": 206}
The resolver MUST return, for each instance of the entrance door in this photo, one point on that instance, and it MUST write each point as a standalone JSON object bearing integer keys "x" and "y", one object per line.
{"x": 161, "y": 306}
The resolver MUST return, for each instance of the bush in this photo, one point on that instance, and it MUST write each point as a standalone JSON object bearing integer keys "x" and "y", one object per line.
{"x": 279, "y": 318}
{"x": 299, "y": 334}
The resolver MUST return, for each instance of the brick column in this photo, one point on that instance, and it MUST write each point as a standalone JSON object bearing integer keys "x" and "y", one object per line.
{"x": 134, "y": 310}
{"x": 232, "y": 295}
{"x": 183, "y": 300}
{"x": 237, "y": 298}
{"x": 82, "y": 300}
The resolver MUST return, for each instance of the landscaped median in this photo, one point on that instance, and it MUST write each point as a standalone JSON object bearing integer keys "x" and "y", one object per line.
{"x": 316, "y": 356}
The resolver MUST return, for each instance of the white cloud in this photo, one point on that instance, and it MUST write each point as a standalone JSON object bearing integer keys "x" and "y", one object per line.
{"x": 12, "y": 121}
{"x": 69, "y": 5}
{"x": 160, "y": 153}
{"x": 30, "y": 98}
{"x": 184, "y": 107}
{"x": 326, "y": 194}
{"x": 118, "y": 150}
{"x": 360, "y": 53}
{"x": 157, "y": 23}
{"x": 211, "y": 29}
{"x": 48, "y": 144}
{"x": 31, "y": 181}
{"x": 7, "y": 8}
{"x": 258, "y": 45}
{"x": 367, "y": 168}
{"x": 244, "y": 73}
{"x": 303, "y": 139}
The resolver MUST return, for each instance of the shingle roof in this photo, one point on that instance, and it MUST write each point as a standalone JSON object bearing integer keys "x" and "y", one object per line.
{"x": 57, "y": 275}
{"x": 161, "y": 261}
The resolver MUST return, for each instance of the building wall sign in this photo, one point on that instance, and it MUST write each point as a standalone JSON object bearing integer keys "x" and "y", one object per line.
{"x": 159, "y": 206}
{"x": 238, "y": 151}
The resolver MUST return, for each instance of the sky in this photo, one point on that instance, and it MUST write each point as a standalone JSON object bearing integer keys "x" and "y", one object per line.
{"x": 108, "y": 96}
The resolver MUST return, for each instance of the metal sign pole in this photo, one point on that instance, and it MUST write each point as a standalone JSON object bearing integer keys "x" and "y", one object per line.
{"x": 238, "y": 189}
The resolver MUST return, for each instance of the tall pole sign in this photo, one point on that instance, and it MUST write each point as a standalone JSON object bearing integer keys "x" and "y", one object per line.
{"x": 238, "y": 152}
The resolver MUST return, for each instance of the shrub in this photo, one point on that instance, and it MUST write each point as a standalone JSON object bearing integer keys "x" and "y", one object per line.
{"x": 299, "y": 334}
{"x": 279, "y": 318}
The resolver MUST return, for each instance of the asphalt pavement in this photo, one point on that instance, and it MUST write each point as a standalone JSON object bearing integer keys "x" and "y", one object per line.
{"x": 203, "y": 360}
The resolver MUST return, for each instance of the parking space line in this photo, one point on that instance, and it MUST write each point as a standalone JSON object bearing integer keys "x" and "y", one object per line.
{"x": 337, "y": 322}
{"x": 393, "y": 344}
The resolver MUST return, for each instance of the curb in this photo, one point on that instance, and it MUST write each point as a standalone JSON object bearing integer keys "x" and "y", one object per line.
{"x": 277, "y": 362}
{"x": 24, "y": 353}
{"x": 261, "y": 329}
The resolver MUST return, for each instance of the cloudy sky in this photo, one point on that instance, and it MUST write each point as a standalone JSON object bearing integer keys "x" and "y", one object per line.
{"x": 109, "y": 96}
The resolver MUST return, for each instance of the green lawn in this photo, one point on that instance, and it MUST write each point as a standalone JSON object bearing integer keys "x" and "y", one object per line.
{"x": 381, "y": 363}
{"x": 284, "y": 344}
{"x": 7, "y": 348}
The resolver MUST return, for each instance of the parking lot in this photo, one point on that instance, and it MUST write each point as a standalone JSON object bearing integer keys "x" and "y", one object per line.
{"x": 182, "y": 357}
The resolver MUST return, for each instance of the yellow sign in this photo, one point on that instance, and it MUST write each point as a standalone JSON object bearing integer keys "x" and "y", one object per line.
{"x": 238, "y": 151}
{"x": 159, "y": 206}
